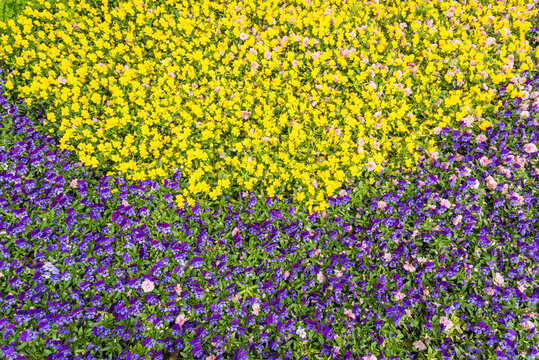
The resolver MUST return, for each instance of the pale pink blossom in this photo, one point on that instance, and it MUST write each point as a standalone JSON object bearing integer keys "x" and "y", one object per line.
{"x": 74, "y": 184}
{"x": 437, "y": 131}
{"x": 484, "y": 161}
{"x": 491, "y": 183}
{"x": 254, "y": 65}
{"x": 409, "y": 267}
{"x": 489, "y": 291}
{"x": 399, "y": 296}
{"x": 528, "y": 325}
{"x": 320, "y": 277}
{"x": 446, "y": 322}
{"x": 147, "y": 285}
{"x": 178, "y": 289}
{"x": 490, "y": 41}
{"x": 243, "y": 36}
{"x": 181, "y": 319}
{"x": 445, "y": 203}
{"x": 286, "y": 274}
{"x": 480, "y": 138}
{"x": 498, "y": 279}
{"x": 267, "y": 55}
{"x": 235, "y": 231}
{"x": 388, "y": 256}
{"x": 245, "y": 114}
{"x": 530, "y": 148}
{"x": 62, "y": 80}
{"x": 420, "y": 346}
{"x": 371, "y": 165}
{"x": 256, "y": 308}
{"x": 349, "y": 313}
{"x": 457, "y": 219}
{"x": 421, "y": 260}
{"x": 343, "y": 192}
{"x": 381, "y": 205}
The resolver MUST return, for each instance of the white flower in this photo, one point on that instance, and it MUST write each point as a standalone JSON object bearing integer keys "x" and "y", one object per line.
{"x": 301, "y": 332}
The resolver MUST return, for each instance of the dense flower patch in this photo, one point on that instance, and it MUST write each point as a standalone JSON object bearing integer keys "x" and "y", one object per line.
{"x": 274, "y": 98}
{"x": 436, "y": 263}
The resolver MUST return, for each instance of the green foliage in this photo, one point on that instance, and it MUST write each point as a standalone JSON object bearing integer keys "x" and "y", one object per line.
{"x": 9, "y": 9}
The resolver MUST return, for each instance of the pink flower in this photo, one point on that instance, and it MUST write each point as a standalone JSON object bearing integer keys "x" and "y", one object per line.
{"x": 489, "y": 291}
{"x": 530, "y": 148}
{"x": 399, "y": 296}
{"x": 484, "y": 161}
{"x": 409, "y": 267}
{"x": 245, "y": 114}
{"x": 421, "y": 260}
{"x": 235, "y": 231}
{"x": 490, "y": 41}
{"x": 408, "y": 91}
{"x": 320, "y": 277}
{"x": 147, "y": 285}
{"x": 74, "y": 184}
{"x": 457, "y": 219}
{"x": 446, "y": 322}
{"x": 125, "y": 203}
{"x": 445, "y": 203}
{"x": 305, "y": 41}
{"x": 337, "y": 132}
{"x": 450, "y": 12}
{"x": 498, "y": 279}
{"x": 371, "y": 165}
{"x": 528, "y": 325}
{"x": 491, "y": 183}
{"x": 181, "y": 319}
{"x": 420, "y": 346}
{"x": 343, "y": 192}
{"x": 267, "y": 55}
{"x": 349, "y": 313}
{"x": 243, "y": 36}
{"x": 480, "y": 138}
{"x": 388, "y": 256}
{"x": 265, "y": 138}
{"x": 62, "y": 80}
{"x": 256, "y": 308}
{"x": 381, "y": 205}
{"x": 370, "y": 357}
{"x": 316, "y": 55}
{"x": 286, "y": 274}
{"x": 294, "y": 63}
{"x": 178, "y": 289}
{"x": 437, "y": 131}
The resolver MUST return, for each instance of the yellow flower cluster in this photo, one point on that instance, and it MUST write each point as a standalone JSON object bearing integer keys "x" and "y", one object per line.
{"x": 275, "y": 96}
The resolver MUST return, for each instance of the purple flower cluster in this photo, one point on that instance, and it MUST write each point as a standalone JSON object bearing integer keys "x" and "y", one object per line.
{"x": 442, "y": 260}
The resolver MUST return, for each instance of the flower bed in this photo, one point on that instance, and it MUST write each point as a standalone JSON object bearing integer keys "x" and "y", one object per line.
{"x": 439, "y": 262}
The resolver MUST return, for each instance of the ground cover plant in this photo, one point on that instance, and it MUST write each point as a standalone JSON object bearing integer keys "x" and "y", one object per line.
{"x": 443, "y": 261}
{"x": 436, "y": 262}
{"x": 277, "y": 98}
